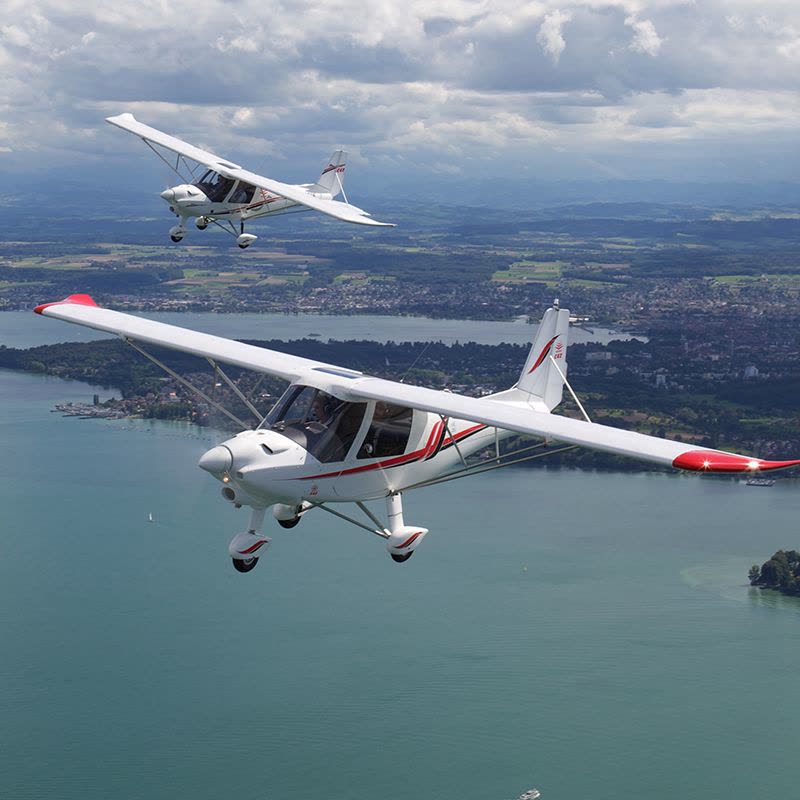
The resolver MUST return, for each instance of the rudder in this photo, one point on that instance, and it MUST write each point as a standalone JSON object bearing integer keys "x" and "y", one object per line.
{"x": 331, "y": 180}
{"x": 540, "y": 376}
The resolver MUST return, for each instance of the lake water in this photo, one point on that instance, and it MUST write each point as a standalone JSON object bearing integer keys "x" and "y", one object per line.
{"x": 24, "y": 329}
{"x": 589, "y": 634}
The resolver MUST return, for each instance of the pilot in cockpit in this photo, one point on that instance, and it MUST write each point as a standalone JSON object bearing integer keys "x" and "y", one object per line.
{"x": 323, "y": 408}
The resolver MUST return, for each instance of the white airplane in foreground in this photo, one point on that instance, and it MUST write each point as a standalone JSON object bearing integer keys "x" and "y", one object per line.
{"x": 215, "y": 190}
{"x": 340, "y": 436}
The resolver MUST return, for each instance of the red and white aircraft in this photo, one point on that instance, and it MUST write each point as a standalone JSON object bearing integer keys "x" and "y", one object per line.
{"x": 340, "y": 436}
{"x": 225, "y": 194}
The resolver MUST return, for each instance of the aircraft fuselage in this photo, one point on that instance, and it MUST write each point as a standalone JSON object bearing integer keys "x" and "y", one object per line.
{"x": 263, "y": 467}
{"x": 240, "y": 203}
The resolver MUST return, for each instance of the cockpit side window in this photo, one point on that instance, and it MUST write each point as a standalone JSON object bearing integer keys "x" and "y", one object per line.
{"x": 317, "y": 421}
{"x": 215, "y": 186}
{"x": 242, "y": 194}
{"x": 341, "y": 429}
{"x": 293, "y": 407}
{"x": 389, "y": 431}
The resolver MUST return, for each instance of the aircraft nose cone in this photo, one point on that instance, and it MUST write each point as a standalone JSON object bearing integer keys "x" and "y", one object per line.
{"x": 216, "y": 460}
{"x": 168, "y": 195}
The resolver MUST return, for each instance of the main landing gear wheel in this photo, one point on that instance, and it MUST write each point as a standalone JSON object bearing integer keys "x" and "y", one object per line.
{"x": 244, "y": 240}
{"x": 288, "y": 523}
{"x": 244, "y": 564}
{"x": 401, "y": 558}
{"x": 175, "y": 238}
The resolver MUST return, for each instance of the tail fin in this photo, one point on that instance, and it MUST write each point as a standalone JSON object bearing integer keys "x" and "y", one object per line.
{"x": 332, "y": 178}
{"x": 540, "y": 377}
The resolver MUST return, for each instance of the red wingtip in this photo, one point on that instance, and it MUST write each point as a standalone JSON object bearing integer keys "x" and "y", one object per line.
{"x": 73, "y": 299}
{"x": 714, "y": 461}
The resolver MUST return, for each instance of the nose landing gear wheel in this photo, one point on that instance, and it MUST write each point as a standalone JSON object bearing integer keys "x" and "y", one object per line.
{"x": 244, "y": 564}
{"x": 244, "y": 546}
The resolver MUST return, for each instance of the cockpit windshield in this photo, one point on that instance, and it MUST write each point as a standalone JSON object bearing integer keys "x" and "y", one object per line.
{"x": 317, "y": 421}
{"x": 215, "y": 186}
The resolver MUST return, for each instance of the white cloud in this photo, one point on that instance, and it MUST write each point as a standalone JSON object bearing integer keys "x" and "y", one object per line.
{"x": 550, "y": 36}
{"x": 15, "y": 36}
{"x": 246, "y": 44}
{"x": 645, "y": 38}
{"x": 512, "y": 80}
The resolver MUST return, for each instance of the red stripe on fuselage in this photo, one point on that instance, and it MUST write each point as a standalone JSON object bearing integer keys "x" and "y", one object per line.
{"x": 397, "y": 461}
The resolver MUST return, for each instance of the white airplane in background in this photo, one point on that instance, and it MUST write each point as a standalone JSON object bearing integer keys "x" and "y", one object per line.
{"x": 225, "y": 194}
{"x": 340, "y": 436}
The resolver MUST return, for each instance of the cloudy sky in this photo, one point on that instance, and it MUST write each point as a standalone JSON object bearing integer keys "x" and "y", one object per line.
{"x": 623, "y": 89}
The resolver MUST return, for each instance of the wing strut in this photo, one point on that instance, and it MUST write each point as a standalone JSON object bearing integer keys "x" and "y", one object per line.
{"x": 382, "y": 533}
{"x": 239, "y": 393}
{"x": 505, "y": 460}
{"x": 454, "y": 440}
{"x": 187, "y": 384}
{"x": 179, "y": 158}
{"x": 571, "y": 391}
{"x": 341, "y": 188}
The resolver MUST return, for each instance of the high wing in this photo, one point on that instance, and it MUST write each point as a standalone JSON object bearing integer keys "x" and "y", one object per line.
{"x": 513, "y": 415}
{"x": 81, "y": 309}
{"x": 333, "y": 208}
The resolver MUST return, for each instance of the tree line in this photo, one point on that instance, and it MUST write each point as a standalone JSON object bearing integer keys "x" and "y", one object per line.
{"x": 780, "y": 572}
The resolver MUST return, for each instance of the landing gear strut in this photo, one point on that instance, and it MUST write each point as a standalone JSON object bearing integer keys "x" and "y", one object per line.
{"x": 403, "y": 539}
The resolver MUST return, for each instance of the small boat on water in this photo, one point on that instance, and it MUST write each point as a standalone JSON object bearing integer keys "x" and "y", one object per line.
{"x": 531, "y": 794}
{"x": 760, "y": 482}
{"x": 150, "y": 517}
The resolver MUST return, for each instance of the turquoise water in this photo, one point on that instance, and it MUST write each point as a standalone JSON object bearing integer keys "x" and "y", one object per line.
{"x": 589, "y": 634}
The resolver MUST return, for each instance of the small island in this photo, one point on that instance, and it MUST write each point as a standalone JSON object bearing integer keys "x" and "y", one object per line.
{"x": 781, "y": 572}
